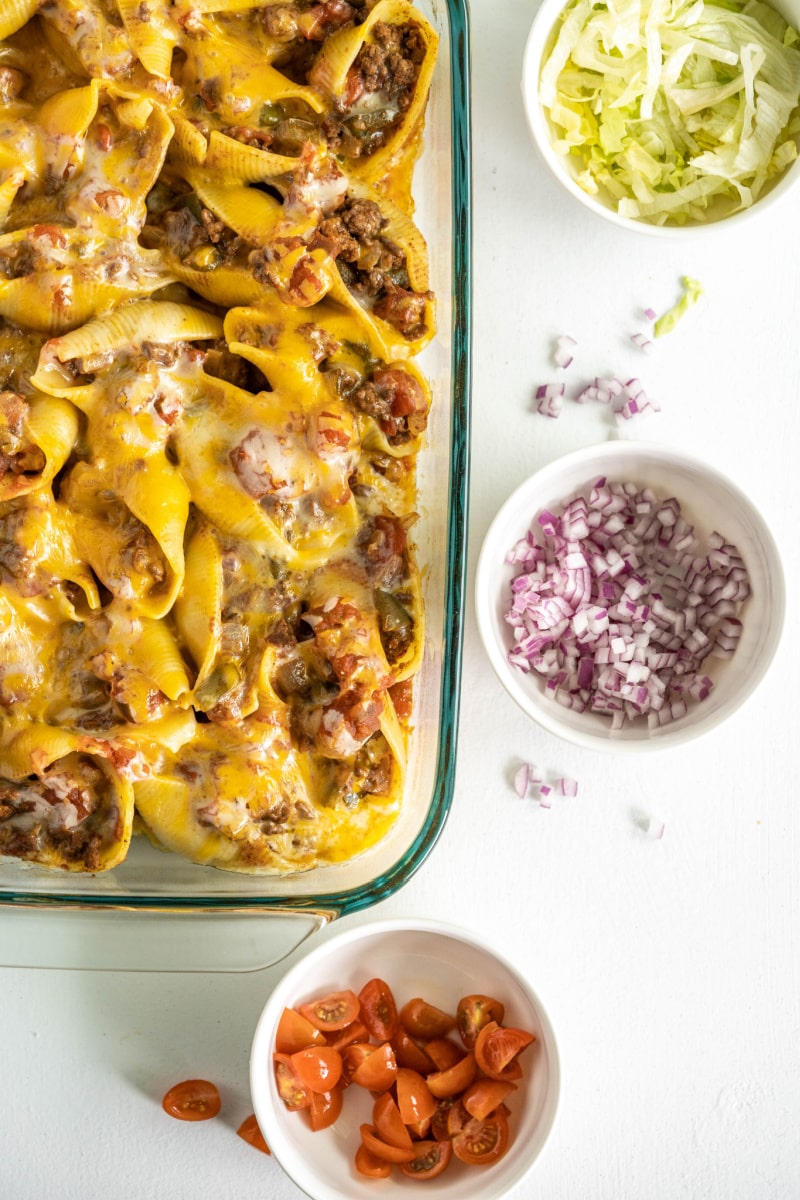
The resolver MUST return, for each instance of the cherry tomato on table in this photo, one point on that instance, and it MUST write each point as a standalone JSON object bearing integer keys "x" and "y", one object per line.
{"x": 250, "y": 1132}
{"x": 192, "y": 1100}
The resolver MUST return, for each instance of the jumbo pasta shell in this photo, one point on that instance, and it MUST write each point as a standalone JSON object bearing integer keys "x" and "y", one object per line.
{"x": 152, "y": 36}
{"x": 14, "y": 15}
{"x": 61, "y": 836}
{"x": 254, "y": 215}
{"x": 52, "y": 426}
{"x": 391, "y": 342}
{"x": 199, "y": 603}
{"x": 235, "y": 160}
{"x": 131, "y": 325}
{"x": 158, "y": 656}
{"x": 227, "y": 286}
{"x": 401, "y": 231}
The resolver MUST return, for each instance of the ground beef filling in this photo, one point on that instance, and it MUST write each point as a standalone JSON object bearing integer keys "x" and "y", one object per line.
{"x": 17, "y": 260}
{"x": 202, "y": 241}
{"x": 389, "y": 64}
{"x": 373, "y": 268}
{"x": 18, "y": 455}
{"x": 307, "y": 19}
{"x": 63, "y": 813}
{"x": 395, "y": 399}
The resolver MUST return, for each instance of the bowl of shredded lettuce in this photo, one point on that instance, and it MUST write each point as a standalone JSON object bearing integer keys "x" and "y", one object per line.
{"x": 667, "y": 115}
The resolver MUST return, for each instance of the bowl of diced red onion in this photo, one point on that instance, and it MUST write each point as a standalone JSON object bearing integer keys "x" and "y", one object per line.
{"x": 629, "y": 597}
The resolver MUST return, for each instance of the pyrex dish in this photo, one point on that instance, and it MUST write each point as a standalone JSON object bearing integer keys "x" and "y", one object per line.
{"x": 709, "y": 501}
{"x": 157, "y": 888}
{"x": 439, "y": 963}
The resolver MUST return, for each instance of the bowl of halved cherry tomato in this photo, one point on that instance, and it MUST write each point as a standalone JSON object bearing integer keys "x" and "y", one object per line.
{"x": 401, "y": 1052}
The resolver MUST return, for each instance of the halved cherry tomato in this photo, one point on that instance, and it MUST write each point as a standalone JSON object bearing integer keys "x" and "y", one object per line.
{"x": 251, "y": 1133}
{"x": 439, "y": 1130}
{"x": 378, "y": 1010}
{"x": 485, "y": 1095}
{"x": 496, "y": 1047}
{"x": 368, "y": 1164}
{"x": 444, "y": 1053}
{"x": 333, "y": 1011}
{"x": 378, "y": 1070}
{"x": 192, "y": 1100}
{"x": 414, "y": 1097}
{"x": 512, "y": 1072}
{"x": 409, "y": 1054}
{"x": 389, "y": 1124}
{"x": 381, "y": 1149}
{"x": 424, "y": 1020}
{"x": 355, "y": 1032}
{"x": 453, "y": 1081}
{"x": 318, "y": 1068}
{"x": 482, "y": 1142}
{"x": 473, "y": 1013}
{"x": 420, "y": 1129}
{"x": 295, "y": 1032}
{"x": 353, "y": 1056}
{"x": 290, "y": 1090}
{"x": 430, "y": 1159}
{"x": 457, "y": 1118}
{"x": 325, "y": 1108}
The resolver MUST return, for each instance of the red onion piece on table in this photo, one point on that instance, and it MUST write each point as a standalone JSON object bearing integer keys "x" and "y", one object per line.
{"x": 562, "y": 354}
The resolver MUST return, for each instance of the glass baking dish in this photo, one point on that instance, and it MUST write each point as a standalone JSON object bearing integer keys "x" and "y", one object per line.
{"x": 137, "y": 916}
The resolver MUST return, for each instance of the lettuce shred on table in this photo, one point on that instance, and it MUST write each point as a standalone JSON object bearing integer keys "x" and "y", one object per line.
{"x": 692, "y": 291}
{"x": 670, "y": 105}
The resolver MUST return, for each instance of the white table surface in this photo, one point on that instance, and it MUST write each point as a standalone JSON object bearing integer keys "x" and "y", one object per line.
{"x": 670, "y": 968}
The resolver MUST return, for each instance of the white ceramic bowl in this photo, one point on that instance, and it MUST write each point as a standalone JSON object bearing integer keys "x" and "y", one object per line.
{"x": 540, "y": 40}
{"x": 416, "y": 958}
{"x": 709, "y": 501}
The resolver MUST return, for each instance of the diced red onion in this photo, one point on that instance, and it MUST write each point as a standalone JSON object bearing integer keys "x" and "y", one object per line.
{"x": 643, "y": 342}
{"x": 567, "y": 787}
{"x": 650, "y": 314}
{"x": 616, "y": 605}
{"x": 550, "y": 399}
{"x": 562, "y": 354}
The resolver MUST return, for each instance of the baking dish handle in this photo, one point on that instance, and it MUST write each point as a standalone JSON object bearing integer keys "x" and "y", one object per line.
{"x": 170, "y": 940}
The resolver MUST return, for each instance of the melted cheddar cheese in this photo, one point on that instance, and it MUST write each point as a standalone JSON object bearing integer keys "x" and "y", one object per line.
{"x": 212, "y": 291}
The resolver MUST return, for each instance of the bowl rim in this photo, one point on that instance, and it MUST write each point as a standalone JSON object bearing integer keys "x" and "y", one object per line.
{"x": 540, "y": 29}
{"x": 547, "y": 714}
{"x": 279, "y": 997}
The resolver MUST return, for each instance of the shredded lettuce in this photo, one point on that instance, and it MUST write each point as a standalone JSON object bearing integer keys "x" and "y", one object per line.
{"x": 680, "y": 111}
{"x": 692, "y": 291}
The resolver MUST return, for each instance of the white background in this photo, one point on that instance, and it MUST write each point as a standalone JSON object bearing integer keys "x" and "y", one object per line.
{"x": 669, "y": 968}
